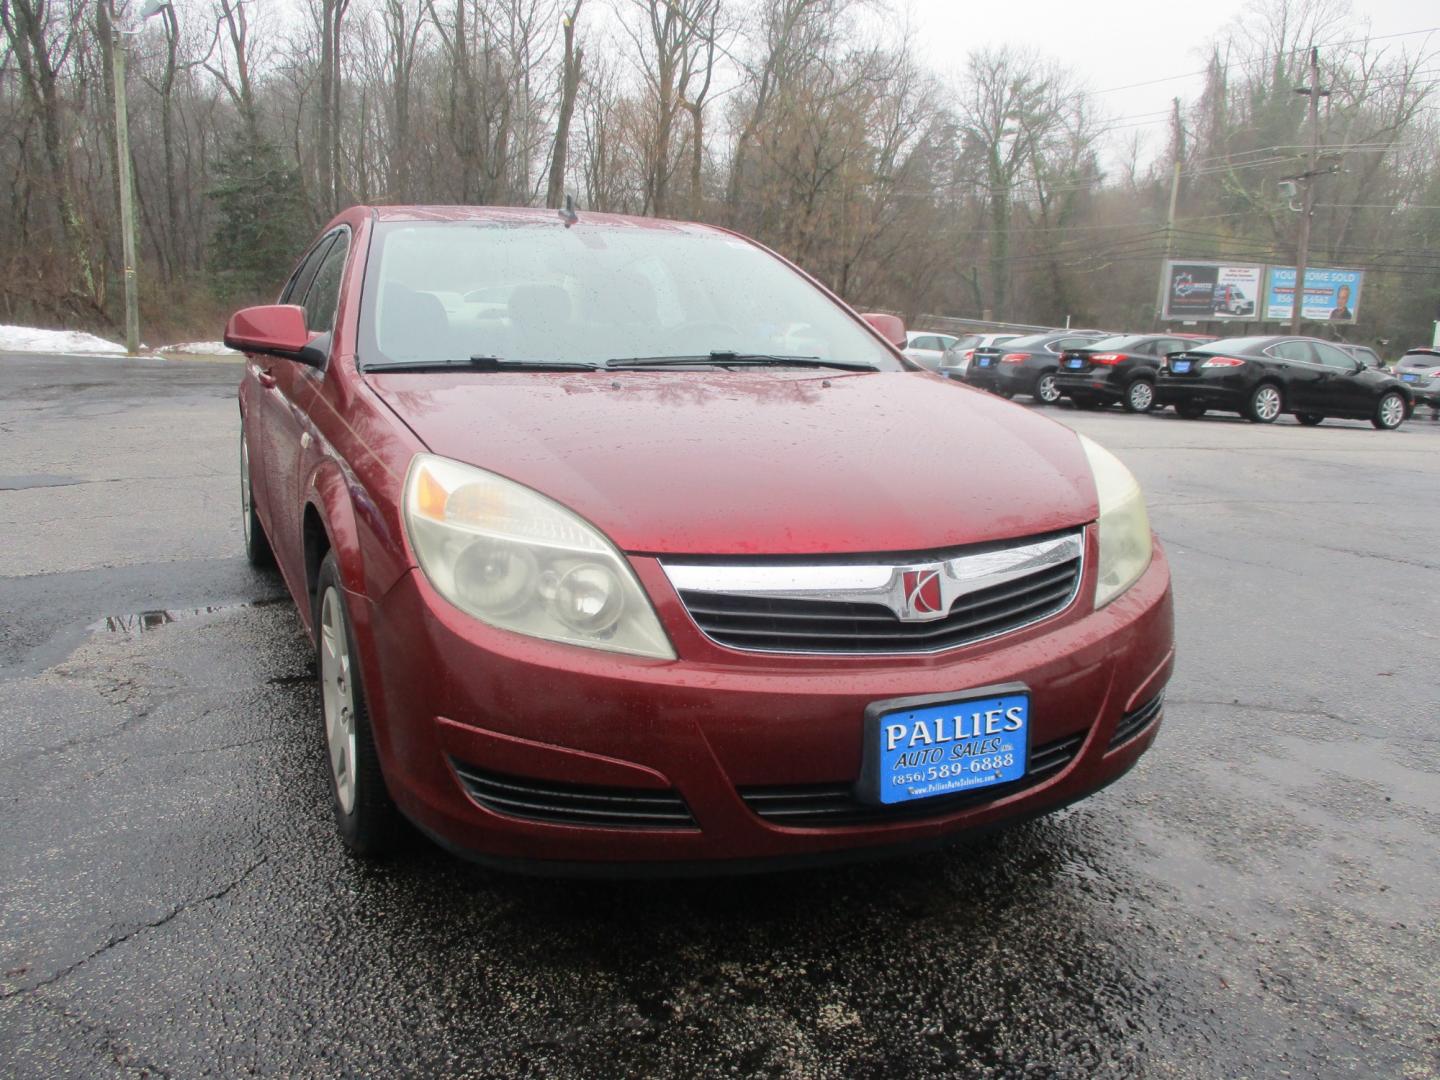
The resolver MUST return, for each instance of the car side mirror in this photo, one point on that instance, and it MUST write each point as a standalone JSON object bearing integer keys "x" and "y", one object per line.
{"x": 276, "y": 330}
{"x": 1360, "y": 366}
{"x": 890, "y": 327}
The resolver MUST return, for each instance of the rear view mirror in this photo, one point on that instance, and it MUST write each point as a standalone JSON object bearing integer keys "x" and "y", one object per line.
{"x": 272, "y": 329}
{"x": 890, "y": 327}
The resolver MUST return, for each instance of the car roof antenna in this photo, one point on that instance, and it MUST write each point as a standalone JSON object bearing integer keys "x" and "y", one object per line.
{"x": 567, "y": 213}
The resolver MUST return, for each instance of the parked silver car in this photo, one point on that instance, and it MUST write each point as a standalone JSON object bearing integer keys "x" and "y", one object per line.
{"x": 926, "y": 347}
{"x": 1419, "y": 369}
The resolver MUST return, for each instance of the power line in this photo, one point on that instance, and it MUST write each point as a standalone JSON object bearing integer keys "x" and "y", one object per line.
{"x": 1266, "y": 60}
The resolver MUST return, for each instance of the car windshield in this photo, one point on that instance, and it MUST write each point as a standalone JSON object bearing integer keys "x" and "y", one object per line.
{"x": 536, "y": 292}
{"x": 1235, "y": 344}
{"x": 1119, "y": 341}
{"x": 969, "y": 341}
{"x": 1420, "y": 360}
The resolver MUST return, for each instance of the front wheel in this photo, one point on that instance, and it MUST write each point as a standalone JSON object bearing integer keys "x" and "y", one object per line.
{"x": 1390, "y": 412}
{"x": 1139, "y": 396}
{"x": 1189, "y": 410}
{"x": 1310, "y": 419}
{"x": 1046, "y": 392}
{"x": 365, "y": 816}
{"x": 1264, "y": 404}
{"x": 257, "y": 544}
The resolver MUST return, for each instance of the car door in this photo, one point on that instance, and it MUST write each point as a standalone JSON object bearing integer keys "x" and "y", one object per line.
{"x": 295, "y": 385}
{"x": 1300, "y": 374}
{"x": 1345, "y": 390}
{"x": 925, "y": 350}
{"x": 262, "y": 400}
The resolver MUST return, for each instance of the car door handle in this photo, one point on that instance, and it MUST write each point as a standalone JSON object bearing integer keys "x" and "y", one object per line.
{"x": 267, "y": 380}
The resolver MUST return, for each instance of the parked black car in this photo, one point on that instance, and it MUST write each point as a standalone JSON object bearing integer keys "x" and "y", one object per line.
{"x": 1026, "y": 365}
{"x": 1419, "y": 370}
{"x": 1120, "y": 368}
{"x": 1262, "y": 377}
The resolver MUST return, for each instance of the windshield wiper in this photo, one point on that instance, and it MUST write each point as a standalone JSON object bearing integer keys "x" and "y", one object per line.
{"x": 725, "y": 358}
{"x": 480, "y": 363}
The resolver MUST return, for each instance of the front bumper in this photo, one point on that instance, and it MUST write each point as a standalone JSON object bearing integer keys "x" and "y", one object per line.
{"x": 450, "y": 695}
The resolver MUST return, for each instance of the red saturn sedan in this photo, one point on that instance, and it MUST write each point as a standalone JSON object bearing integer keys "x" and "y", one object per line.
{"x": 623, "y": 542}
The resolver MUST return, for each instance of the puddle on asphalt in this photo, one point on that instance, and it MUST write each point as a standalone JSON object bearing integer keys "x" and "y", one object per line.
{"x": 140, "y": 621}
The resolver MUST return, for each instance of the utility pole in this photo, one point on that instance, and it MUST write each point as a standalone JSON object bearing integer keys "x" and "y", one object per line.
{"x": 127, "y": 192}
{"x": 1307, "y": 211}
{"x": 126, "y": 175}
{"x": 1179, "y": 153}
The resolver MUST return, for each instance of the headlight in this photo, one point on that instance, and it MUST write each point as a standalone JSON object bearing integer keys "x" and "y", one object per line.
{"x": 517, "y": 560}
{"x": 1125, "y": 544}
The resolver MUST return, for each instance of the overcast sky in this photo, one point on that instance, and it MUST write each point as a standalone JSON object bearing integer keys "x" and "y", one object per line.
{"x": 1115, "y": 43}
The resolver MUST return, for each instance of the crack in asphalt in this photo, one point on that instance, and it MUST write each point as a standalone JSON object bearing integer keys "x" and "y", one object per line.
{"x": 1383, "y": 558}
{"x": 1185, "y": 547}
{"x": 120, "y": 939}
{"x": 1252, "y": 707}
{"x": 59, "y": 483}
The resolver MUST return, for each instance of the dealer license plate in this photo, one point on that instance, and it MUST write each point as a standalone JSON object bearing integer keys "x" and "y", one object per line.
{"x": 1410, "y": 378}
{"x": 984, "y": 361}
{"x": 1075, "y": 362}
{"x": 1180, "y": 367}
{"x": 918, "y": 748}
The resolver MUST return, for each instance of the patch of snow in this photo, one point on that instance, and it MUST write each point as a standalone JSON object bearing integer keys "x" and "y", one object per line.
{"x": 199, "y": 348}
{"x": 29, "y": 339}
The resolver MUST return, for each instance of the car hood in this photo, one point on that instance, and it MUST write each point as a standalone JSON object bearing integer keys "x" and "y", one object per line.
{"x": 760, "y": 462}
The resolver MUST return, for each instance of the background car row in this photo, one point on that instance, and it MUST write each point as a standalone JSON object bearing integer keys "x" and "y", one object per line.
{"x": 1260, "y": 378}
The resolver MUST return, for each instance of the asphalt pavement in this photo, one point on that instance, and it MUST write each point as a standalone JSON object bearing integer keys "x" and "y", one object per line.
{"x": 1257, "y": 898}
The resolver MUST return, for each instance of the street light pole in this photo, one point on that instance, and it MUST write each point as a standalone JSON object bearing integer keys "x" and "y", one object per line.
{"x": 127, "y": 195}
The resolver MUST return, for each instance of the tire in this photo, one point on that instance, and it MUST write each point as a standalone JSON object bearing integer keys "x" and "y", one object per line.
{"x": 1264, "y": 404}
{"x": 1310, "y": 419}
{"x": 365, "y": 815}
{"x": 257, "y": 544}
{"x": 1046, "y": 392}
{"x": 1390, "y": 411}
{"x": 1140, "y": 396}
{"x": 1189, "y": 410}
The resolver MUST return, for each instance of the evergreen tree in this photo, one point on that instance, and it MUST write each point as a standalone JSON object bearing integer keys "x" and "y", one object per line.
{"x": 262, "y": 222}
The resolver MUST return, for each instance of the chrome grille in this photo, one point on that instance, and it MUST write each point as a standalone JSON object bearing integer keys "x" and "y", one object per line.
{"x": 574, "y": 804}
{"x": 871, "y": 607}
{"x": 835, "y": 805}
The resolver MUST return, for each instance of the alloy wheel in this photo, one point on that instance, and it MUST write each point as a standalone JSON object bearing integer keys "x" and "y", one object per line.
{"x": 1046, "y": 391}
{"x": 1267, "y": 403}
{"x": 1142, "y": 395}
{"x": 338, "y": 696}
{"x": 1392, "y": 411}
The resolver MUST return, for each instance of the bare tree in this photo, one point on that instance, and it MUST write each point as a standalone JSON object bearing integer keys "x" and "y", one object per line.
{"x": 569, "y": 87}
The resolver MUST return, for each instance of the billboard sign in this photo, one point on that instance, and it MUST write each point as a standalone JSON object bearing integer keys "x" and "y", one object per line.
{"x": 1206, "y": 291}
{"x": 1331, "y": 295}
